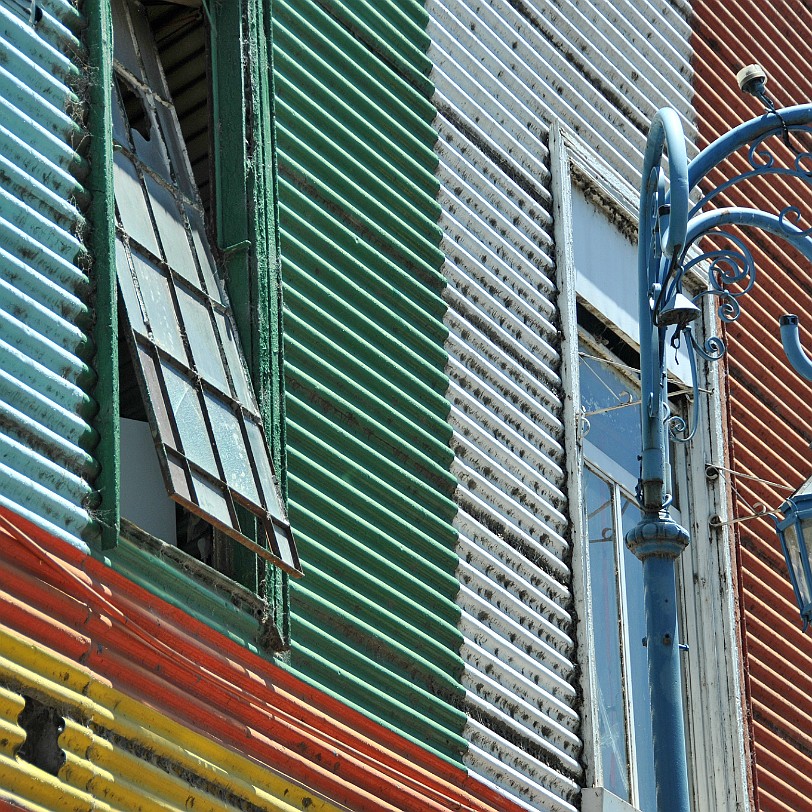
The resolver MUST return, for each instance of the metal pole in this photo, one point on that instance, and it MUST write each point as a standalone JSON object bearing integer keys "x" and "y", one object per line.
{"x": 657, "y": 540}
{"x": 665, "y": 235}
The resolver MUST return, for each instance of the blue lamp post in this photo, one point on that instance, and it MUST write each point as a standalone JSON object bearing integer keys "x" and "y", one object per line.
{"x": 670, "y": 228}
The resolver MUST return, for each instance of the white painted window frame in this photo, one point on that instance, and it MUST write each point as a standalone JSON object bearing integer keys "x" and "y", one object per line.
{"x": 716, "y": 730}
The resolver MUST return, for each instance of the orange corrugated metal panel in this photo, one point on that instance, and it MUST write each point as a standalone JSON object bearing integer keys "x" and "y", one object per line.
{"x": 160, "y": 655}
{"x": 770, "y": 413}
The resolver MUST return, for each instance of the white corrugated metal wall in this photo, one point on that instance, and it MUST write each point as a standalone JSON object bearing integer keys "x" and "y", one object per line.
{"x": 503, "y": 71}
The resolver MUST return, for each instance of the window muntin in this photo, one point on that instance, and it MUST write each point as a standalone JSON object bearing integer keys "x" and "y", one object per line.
{"x": 199, "y": 400}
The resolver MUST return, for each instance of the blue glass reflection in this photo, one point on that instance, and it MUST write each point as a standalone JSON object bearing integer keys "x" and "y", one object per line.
{"x": 615, "y": 432}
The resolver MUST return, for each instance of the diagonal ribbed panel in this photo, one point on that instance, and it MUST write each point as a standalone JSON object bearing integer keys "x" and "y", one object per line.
{"x": 602, "y": 68}
{"x": 112, "y": 752}
{"x": 45, "y": 439}
{"x": 770, "y": 411}
{"x": 374, "y": 621}
{"x": 503, "y": 71}
{"x": 520, "y": 673}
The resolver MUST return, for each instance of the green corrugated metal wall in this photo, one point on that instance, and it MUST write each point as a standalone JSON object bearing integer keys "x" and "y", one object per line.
{"x": 46, "y": 439}
{"x": 368, "y": 442}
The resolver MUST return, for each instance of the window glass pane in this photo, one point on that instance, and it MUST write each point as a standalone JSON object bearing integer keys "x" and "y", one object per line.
{"x": 204, "y": 257}
{"x": 229, "y": 337}
{"x": 177, "y": 151}
{"x": 211, "y": 499}
{"x": 794, "y": 550}
{"x": 266, "y": 477}
{"x": 172, "y": 232}
{"x": 149, "y": 148}
{"x": 154, "y": 398}
{"x": 132, "y": 206}
{"x": 177, "y": 473}
{"x": 228, "y": 437}
{"x": 283, "y": 540}
{"x": 189, "y": 418}
{"x": 125, "y": 47}
{"x": 178, "y": 308}
{"x": 125, "y": 280}
{"x": 200, "y": 330}
{"x": 121, "y": 130}
{"x": 638, "y": 663}
{"x": 153, "y": 75}
{"x": 601, "y": 530}
{"x": 157, "y": 297}
{"x": 614, "y": 426}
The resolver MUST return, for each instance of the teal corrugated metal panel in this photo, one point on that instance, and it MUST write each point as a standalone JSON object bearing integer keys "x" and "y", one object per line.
{"x": 47, "y": 46}
{"x": 374, "y": 621}
{"x": 46, "y": 463}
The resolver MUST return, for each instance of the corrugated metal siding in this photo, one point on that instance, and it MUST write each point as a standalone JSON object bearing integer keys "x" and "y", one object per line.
{"x": 46, "y": 468}
{"x": 111, "y": 752}
{"x": 374, "y": 620}
{"x": 770, "y": 412}
{"x": 503, "y": 71}
{"x": 203, "y": 723}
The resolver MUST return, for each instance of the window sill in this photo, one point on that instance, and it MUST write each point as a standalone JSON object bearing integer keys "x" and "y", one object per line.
{"x": 598, "y": 799}
{"x": 202, "y": 592}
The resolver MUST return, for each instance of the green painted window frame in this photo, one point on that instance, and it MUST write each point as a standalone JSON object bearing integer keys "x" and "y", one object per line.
{"x": 244, "y": 154}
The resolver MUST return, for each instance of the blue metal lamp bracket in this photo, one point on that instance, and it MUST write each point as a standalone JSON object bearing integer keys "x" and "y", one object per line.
{"x": 669, "y": 227}
{"x": 731, "y": 268}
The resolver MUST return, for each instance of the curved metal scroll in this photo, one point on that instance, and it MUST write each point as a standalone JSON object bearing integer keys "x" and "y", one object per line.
{"x": 731, "y": 267}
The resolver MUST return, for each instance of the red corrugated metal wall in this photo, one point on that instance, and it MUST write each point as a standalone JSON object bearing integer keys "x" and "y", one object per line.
{"x": 770, "y": 407}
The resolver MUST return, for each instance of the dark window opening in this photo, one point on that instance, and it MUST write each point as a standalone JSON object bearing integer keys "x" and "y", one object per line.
{"x": 42, "y": 725}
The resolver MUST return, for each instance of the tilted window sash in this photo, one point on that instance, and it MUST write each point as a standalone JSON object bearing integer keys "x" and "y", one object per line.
{"x": 199, "y": 399}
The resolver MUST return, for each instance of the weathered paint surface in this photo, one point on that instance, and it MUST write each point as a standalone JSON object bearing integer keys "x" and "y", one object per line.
{"x": 504, "y": 72}
{"x": 147, "y": 691}
{"x": 374, "y": 622}
{"x": 770, "y": 411}
{"x": 46, "y": 444}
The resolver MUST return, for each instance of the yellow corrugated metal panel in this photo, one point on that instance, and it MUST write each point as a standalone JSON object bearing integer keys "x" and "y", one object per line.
{"x": 121, "y": 754}
{"x": 11, "y": 734}
{"x": 35, "y": 789}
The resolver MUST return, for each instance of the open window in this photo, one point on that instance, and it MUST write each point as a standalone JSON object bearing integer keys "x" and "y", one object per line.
{"x": 184, "y": 381}
{"x": 609, "y": 435}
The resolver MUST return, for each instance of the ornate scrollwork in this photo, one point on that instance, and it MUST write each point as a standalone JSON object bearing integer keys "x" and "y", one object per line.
{"x": 789, "y": 218}
{"x": 729, "y": 263}
{"x": 763, "y": 159}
